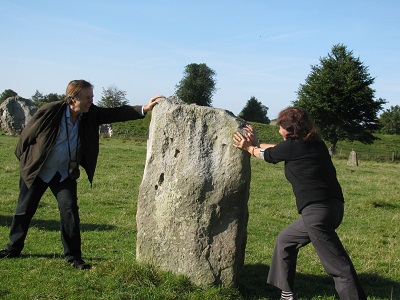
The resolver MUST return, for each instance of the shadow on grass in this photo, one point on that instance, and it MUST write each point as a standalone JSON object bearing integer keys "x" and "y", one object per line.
{"x": 253, "y": 285}
{"x": 91, "y": 260}
{"x": 54, "y": 225}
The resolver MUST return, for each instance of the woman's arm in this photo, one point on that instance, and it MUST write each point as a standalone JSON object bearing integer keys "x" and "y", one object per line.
{"x": 265, "y": 146}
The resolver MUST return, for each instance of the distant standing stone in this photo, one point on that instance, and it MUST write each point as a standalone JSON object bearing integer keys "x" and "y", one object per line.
{"x": 15, "y": 112}
{"x": 352, "y": 161}
{"x": 192, "y": 205}
{"x": 105, "y": 130}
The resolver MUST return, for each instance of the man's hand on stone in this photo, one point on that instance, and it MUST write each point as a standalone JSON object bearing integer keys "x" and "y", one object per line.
{"x": 152, "y": 102}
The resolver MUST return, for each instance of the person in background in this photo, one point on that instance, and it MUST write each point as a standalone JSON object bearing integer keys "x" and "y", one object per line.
{"x": 59, "y": 138}
{"x": 319, "y": 201}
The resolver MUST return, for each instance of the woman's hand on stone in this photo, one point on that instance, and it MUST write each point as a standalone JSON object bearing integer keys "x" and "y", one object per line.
{"x": 240, "y": 141}
{"x": 252, "y": 135}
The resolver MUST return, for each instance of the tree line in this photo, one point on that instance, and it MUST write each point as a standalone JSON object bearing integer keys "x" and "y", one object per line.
{"x": 337, "y": 93}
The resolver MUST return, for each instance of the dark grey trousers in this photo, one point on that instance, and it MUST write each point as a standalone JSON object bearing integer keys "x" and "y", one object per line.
{"x": 28, "y": 201}
{"x": 317, "y": 225}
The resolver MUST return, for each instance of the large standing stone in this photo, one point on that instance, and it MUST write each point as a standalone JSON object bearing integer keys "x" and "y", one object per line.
{"x": 15, "y": 112}
{"x": 192, "y": 206}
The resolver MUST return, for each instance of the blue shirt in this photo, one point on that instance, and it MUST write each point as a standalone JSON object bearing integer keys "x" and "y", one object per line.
{"x": 60, "y": 156}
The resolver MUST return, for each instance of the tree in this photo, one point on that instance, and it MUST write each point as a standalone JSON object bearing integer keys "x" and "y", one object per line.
{"x": 255, "y": 111}
{"x": 7, "y": 94}
{"x": 52, "y": 97}
{"x": 197, "y": 86}
{"x": 337, "y": 94}
{"x": 390, "y": 120}
{"x": 112, "y": 97}
{"x": 38, "y": 97}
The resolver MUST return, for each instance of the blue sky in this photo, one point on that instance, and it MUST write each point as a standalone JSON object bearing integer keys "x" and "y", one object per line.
{"x": 257, "y": 48}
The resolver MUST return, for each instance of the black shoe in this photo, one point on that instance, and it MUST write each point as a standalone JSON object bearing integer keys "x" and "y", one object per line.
{"x": 80, "y": 264}
{"x": 9, "y": 254}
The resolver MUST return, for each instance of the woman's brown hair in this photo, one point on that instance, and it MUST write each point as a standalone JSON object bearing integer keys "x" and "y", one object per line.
{"x": 299, "y": 125}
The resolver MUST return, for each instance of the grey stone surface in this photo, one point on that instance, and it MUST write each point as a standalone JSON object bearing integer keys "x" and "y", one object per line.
{"x": 15, "y": 112}
{"x": 105, "y": 130}
{"x": 353, "y": 160}
{"x": 192, "y": 205}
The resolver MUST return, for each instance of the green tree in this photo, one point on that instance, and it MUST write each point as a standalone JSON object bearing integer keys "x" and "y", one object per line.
{"x": 52, "y": 97}
{"x": 197, "y": 85}
{"x": 38, "y": 98}
{"x": 390, "y": 120}
{"x": 7, "y": 94}
{"x": 255, "y": 111}
{"x": 337, "y": 94}
{"x": 112, "y": 97}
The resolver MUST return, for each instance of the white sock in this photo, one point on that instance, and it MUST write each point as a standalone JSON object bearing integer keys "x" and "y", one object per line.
{"x": 286, "y": 295}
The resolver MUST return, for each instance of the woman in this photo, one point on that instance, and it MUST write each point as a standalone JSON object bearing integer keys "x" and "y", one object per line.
{"x": 319, "y": 200}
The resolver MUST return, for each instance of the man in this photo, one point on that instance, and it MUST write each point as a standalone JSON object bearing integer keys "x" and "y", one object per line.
{"x": 61, "y": 136}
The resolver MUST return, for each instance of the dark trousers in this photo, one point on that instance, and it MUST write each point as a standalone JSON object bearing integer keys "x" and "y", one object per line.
{"x": 316, "y": 225}
{"x": 28, "y": 201}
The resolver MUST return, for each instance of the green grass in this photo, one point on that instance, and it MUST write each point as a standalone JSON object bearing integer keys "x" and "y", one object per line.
{"x": 385, "y": 148}
{"x": 370, "y": 232}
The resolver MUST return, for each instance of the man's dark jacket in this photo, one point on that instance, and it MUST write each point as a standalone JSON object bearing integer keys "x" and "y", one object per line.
{"x": 40, "y": 135}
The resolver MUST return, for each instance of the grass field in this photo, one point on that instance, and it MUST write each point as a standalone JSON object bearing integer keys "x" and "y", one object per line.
{"x": 370, "y": 232}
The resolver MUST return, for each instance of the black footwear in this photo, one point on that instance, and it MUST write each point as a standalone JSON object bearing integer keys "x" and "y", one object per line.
{"x": 9, "y": 254}
{"x": 80, "y": 264}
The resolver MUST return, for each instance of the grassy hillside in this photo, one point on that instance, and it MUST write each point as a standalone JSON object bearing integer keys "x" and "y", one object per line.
{"x": 137, "y": 129}
{"x": 385, "y": 148}
{"x": 370, "y": 233}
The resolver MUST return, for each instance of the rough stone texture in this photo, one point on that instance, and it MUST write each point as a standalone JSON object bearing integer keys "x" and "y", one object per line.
{"x": 15, "y": 112}
{"x": 352, "y": 161}
{"x": 105, "y": 130}
{"x": 192, "y": 206}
